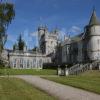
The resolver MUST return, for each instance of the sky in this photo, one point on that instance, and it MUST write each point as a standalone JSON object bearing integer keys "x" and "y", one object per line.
{"x": 69, "y": 16}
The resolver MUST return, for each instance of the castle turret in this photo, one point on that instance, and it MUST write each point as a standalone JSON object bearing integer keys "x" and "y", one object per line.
{"x": 93, "y": 37}
{"x": 41, "y": 31}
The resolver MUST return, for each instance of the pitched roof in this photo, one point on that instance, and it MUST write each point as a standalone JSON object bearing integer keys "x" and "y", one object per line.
{"x": 77, "y": 37}
{"x": 94, "y": 20}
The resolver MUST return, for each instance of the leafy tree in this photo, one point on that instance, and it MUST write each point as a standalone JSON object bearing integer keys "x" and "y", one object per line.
{"x": 21, "y": 43}
{"x": 7, "y": 14}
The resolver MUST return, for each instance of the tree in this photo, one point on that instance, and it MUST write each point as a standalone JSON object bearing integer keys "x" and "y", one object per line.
{"x": 15, "y": 47}
{"x": 35, "y": 48}
{"x": 7, "y": 14}
{"x": 21, "y": 43}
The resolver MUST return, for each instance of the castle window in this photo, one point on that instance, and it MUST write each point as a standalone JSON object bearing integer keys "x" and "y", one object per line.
{"x": 31, "y": 64}
{"x": 98, "y": 43}
{"x": 27, "y": 63}
{"x": 40, "y": 62}
{"x": 21, "y": 63}
{"x": 14, "y": 63}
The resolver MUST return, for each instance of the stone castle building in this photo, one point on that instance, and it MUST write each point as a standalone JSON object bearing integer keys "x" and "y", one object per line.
{"x": 47, "y": 41}
{"x": 29, "y": 59}
{"x": 83, "y": 48}
{"x": 80, "y": 49}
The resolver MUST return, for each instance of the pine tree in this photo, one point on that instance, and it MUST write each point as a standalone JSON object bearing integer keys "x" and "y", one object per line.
{"x": 21, "y": 43}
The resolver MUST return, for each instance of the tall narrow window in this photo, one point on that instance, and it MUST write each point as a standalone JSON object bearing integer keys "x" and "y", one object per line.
{"x": 21, "y": 63}
{"x": 27, "y": 63}
{"x": 98, "y": 43}
{"x": 14, "y": 63}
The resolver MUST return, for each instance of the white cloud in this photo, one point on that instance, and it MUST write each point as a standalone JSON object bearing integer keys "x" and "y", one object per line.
{"x": 27, "y": 37}
{"x": 74, "y": 30}
{"x": 31, "y": 39}
{"x": 62, "y": 33}
{"x": 34, "y": 34}
{"x": 35, "y": 37}
{"x": 71, "y": 31}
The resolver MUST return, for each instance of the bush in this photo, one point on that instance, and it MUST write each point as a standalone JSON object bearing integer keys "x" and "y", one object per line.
{"x": 50, "y": 66}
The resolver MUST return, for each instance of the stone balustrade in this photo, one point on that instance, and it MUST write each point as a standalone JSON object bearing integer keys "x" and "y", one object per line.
{"x": 79, "y": 68}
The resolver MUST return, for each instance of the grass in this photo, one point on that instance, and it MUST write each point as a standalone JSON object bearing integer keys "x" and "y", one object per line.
{"x": 27, "y": 72}
{"x": 17, "y": 89}
{"x": 88, "y": 81}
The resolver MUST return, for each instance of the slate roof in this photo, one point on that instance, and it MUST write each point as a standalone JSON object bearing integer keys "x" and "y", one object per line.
{"x": 94, "y": 20}
{"x": 77, "y": 37}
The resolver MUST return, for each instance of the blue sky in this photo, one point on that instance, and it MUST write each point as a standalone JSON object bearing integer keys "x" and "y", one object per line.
{"x": 70, "y": 16}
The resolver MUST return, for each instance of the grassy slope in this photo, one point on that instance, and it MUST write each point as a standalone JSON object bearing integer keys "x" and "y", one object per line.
{"x": 89, "y": 81}
{"x": 27, "y": 72}
{"x": 17, "y": 89}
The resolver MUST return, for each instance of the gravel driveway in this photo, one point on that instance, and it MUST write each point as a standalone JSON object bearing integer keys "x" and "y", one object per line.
{"x": 60, "y": 91}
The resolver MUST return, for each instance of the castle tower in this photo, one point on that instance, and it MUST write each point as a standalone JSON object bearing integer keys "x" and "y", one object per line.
{"x": 42, "y": 30}
{"x": 92, "y": 37}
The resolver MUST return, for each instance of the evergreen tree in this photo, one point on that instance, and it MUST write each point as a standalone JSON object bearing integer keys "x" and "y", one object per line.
{"x": 21, "y": 43}
{"x": 15, "y": 47}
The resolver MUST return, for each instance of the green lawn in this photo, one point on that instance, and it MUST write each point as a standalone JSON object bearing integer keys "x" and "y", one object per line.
{"x": 27, "y": 72}
{"x": 88, "y": 81}
{"x": 17, "y": 89}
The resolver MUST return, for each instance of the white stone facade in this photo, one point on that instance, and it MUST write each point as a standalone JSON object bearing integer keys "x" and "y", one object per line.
{"x": 47, "y": 40}
{"x": 27, "y": 60}
{"x": 94, "y": 43}
{"x": 84, "y": 47}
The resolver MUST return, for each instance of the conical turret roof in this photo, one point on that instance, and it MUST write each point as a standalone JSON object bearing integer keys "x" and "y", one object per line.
{"x": 94, "y": 20}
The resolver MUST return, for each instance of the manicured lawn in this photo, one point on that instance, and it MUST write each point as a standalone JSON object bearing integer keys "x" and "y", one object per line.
{"x": 27, "y": 72}
{"x": 89, "y": 81}
{"x": 17, "y": 89}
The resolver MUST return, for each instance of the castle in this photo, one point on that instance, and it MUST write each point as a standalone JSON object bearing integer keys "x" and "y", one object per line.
{"x": 29, "y": 59}
{"x": 80, "y": 49}
{"x": 47, "y": 40}
{"x": 84, "y": 47}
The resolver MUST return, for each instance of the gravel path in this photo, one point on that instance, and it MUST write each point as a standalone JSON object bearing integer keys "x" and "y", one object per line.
{"x": 58, "y": 90}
